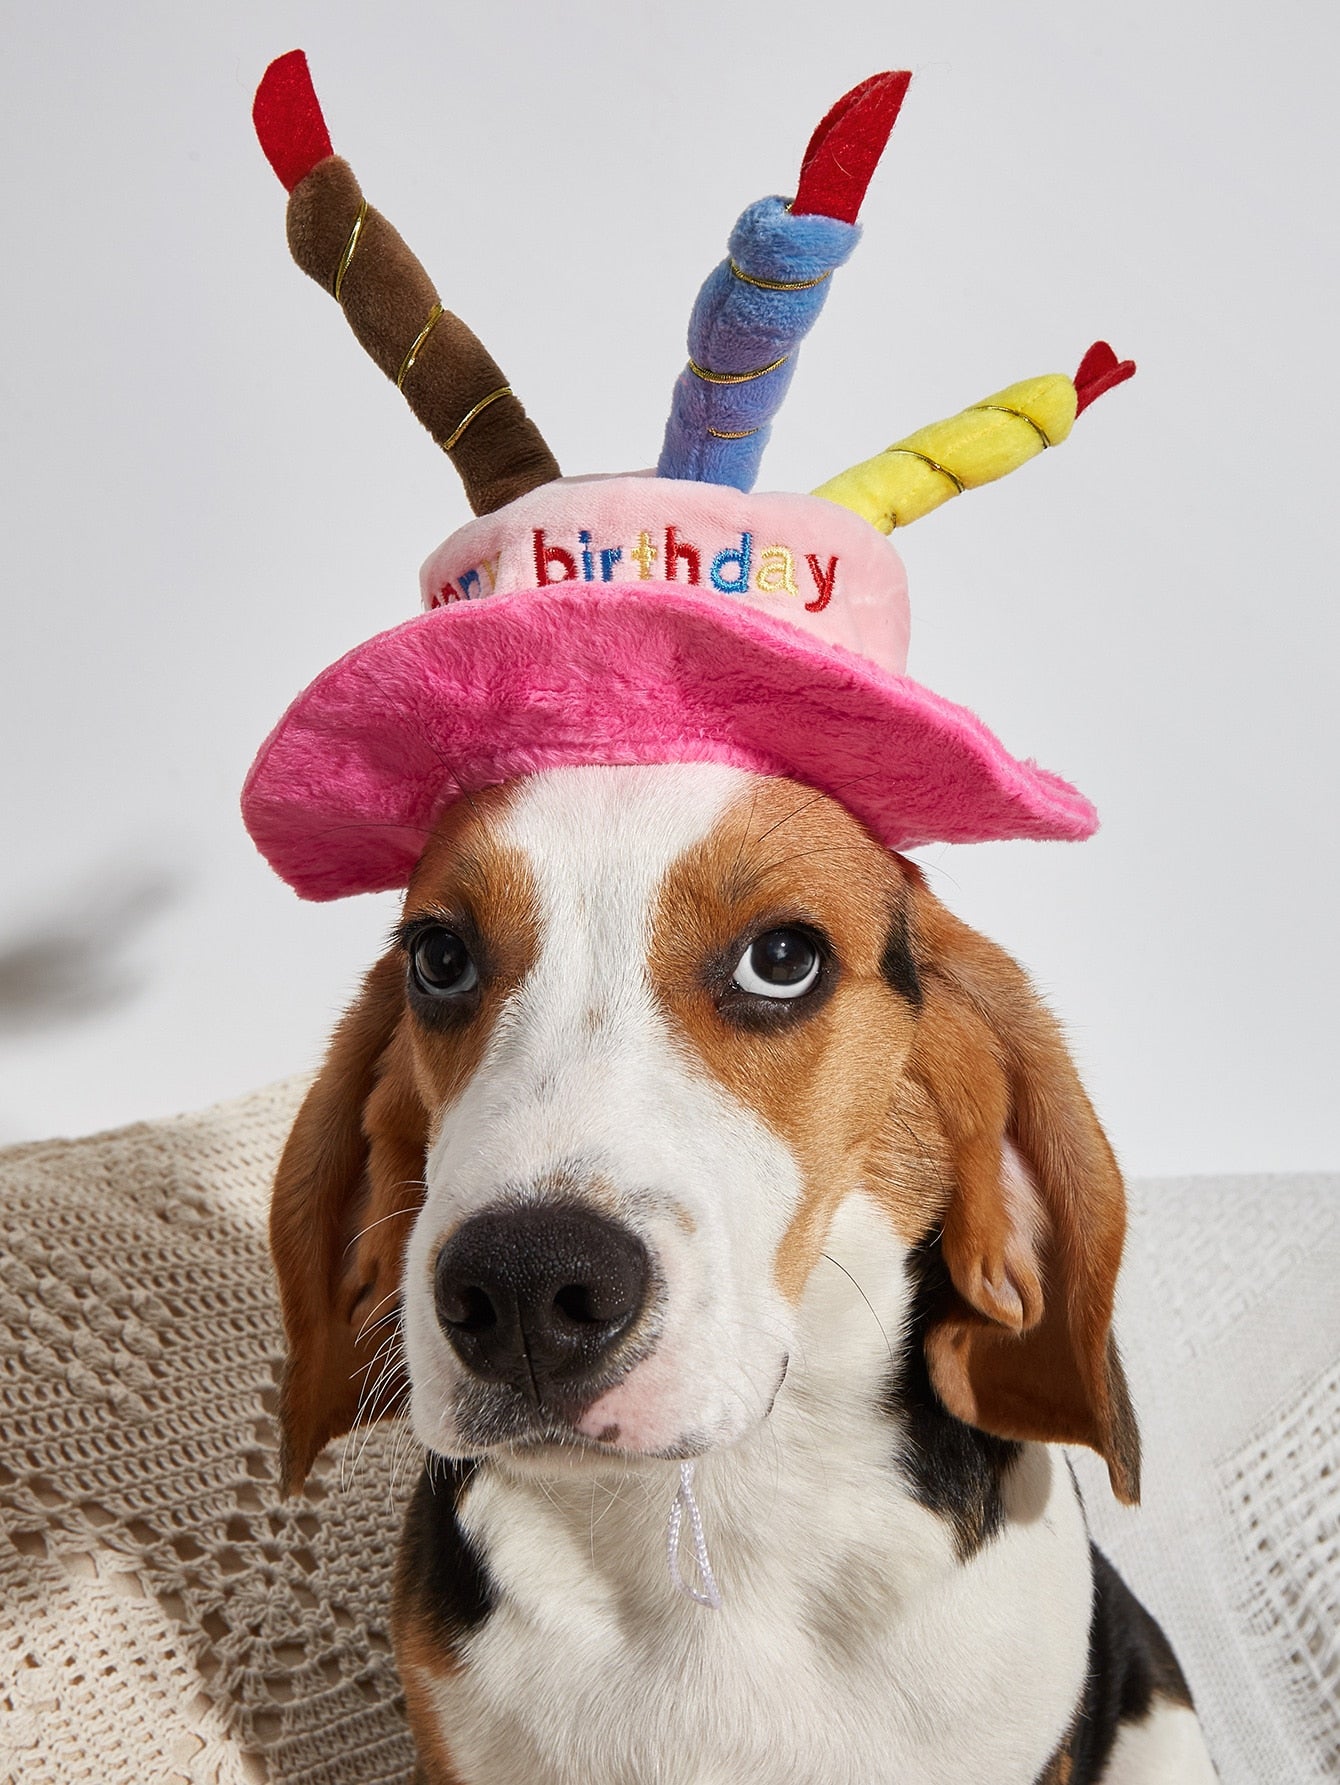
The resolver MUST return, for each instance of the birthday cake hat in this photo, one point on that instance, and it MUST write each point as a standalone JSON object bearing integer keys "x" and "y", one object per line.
{"x": 630, "y": 619}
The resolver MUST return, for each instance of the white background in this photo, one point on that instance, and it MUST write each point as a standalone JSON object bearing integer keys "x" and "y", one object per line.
{"x": 208, "y": 493}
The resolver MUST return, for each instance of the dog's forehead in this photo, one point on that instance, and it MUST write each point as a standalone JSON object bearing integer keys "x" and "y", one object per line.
{"x": 614, "y": 833}
{"x": 608, "y": 846}
{"x": 608, "y": 831}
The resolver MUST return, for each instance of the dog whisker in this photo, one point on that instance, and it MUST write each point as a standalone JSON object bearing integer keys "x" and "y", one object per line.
{"x": 395, "y": 1214}
{"x": 377, "y": 1357}
{"x": 370, "y": 1325}
{"x": 731, "y": 873}
{"x": 370, "y": 1322}
{"x": 866, "y": 1299}
{"x": 377, "y": 1394}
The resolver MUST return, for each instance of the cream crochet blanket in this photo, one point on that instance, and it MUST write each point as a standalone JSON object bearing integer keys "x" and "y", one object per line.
{"x": 165, "y": 1617}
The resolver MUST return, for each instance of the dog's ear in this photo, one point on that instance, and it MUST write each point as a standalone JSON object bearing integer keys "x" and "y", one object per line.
{"x": 1036, "y": 1219}
{"x": 349, "y": 1183}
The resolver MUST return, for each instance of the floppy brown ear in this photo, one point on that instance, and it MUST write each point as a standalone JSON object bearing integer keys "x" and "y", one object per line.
{"x": 348, "y": 1185}
{"x": 1036, "y": 1221}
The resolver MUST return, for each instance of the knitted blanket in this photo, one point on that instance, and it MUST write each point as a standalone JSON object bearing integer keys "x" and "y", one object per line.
{"x": 164, "y": 1617}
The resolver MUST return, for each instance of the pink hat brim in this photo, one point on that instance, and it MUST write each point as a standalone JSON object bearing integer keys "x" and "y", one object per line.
{"x": 345, "y": 791}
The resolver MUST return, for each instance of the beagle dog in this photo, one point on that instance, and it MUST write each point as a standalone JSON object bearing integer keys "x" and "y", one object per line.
{"x": 682, "y": 1124}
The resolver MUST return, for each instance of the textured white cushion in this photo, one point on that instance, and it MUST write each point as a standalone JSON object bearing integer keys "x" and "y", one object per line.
{"x": 1229, "y": 1316}
{"x": 163, "y": 1616}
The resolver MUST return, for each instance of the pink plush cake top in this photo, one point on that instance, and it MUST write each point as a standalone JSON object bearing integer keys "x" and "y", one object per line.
{"x": 798, "y": 558}
{"x": 637, "y": 620}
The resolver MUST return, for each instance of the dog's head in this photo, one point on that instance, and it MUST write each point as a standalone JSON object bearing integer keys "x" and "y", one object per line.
{"x": 644, "y": 1033}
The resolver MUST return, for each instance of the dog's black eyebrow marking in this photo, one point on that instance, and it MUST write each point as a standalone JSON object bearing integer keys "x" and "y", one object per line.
{"x": 897, "y": 963}
{"x": 441, "y": 1579}
{"x": 952, "y": 1468}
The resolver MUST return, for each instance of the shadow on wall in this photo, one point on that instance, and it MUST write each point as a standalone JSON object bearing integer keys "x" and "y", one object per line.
{"x": 77, "y": 962}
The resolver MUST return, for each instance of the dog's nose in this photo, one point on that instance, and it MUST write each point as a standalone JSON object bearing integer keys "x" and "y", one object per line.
{"x": 539, "y": 1297}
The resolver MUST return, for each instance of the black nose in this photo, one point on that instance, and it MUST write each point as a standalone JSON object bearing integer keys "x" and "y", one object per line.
{"x": 539, "y": 1297}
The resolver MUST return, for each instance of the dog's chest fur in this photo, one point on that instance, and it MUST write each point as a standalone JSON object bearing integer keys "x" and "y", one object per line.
{"x": 853, "y": 1643}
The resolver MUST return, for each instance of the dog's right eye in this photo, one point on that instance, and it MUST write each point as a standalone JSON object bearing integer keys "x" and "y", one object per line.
{"x": 441, "y": 965}
{"x": 782, "y": 963}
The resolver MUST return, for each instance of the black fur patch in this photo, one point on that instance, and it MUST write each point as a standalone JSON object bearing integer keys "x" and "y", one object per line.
{"x": 1131, "y": 1666}
{"x": 952, "y": 1468}
{"x": 897, "y": 963}
{"x": 441, "y": 1579}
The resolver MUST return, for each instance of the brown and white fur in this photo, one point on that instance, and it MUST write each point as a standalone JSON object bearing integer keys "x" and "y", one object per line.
{"x": 880, "y": 1229}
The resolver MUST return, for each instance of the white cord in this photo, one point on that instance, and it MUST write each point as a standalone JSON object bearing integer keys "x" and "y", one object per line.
{"x": 708, "y": 1594}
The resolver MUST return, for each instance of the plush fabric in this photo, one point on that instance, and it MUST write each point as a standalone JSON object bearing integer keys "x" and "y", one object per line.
{"x": 443, "y": 370}
{"x": 1099, "y": 371}
{"x": 845, "y": 149}
{"x": 166, "y": 1617}
{"x": 288, "y": 119}
{"x": 800, "y": 560}
{"x": 345, "y": 790}
{"x": 625, "y": 620}
{"x": 758, "y": 305}
{"x": 980, "y": 444}
{"x": 740, "y": 328}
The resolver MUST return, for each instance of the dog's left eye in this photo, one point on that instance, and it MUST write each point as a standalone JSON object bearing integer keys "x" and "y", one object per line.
{"x": 779, "y": 964}
{"x": 441, "y": 965}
